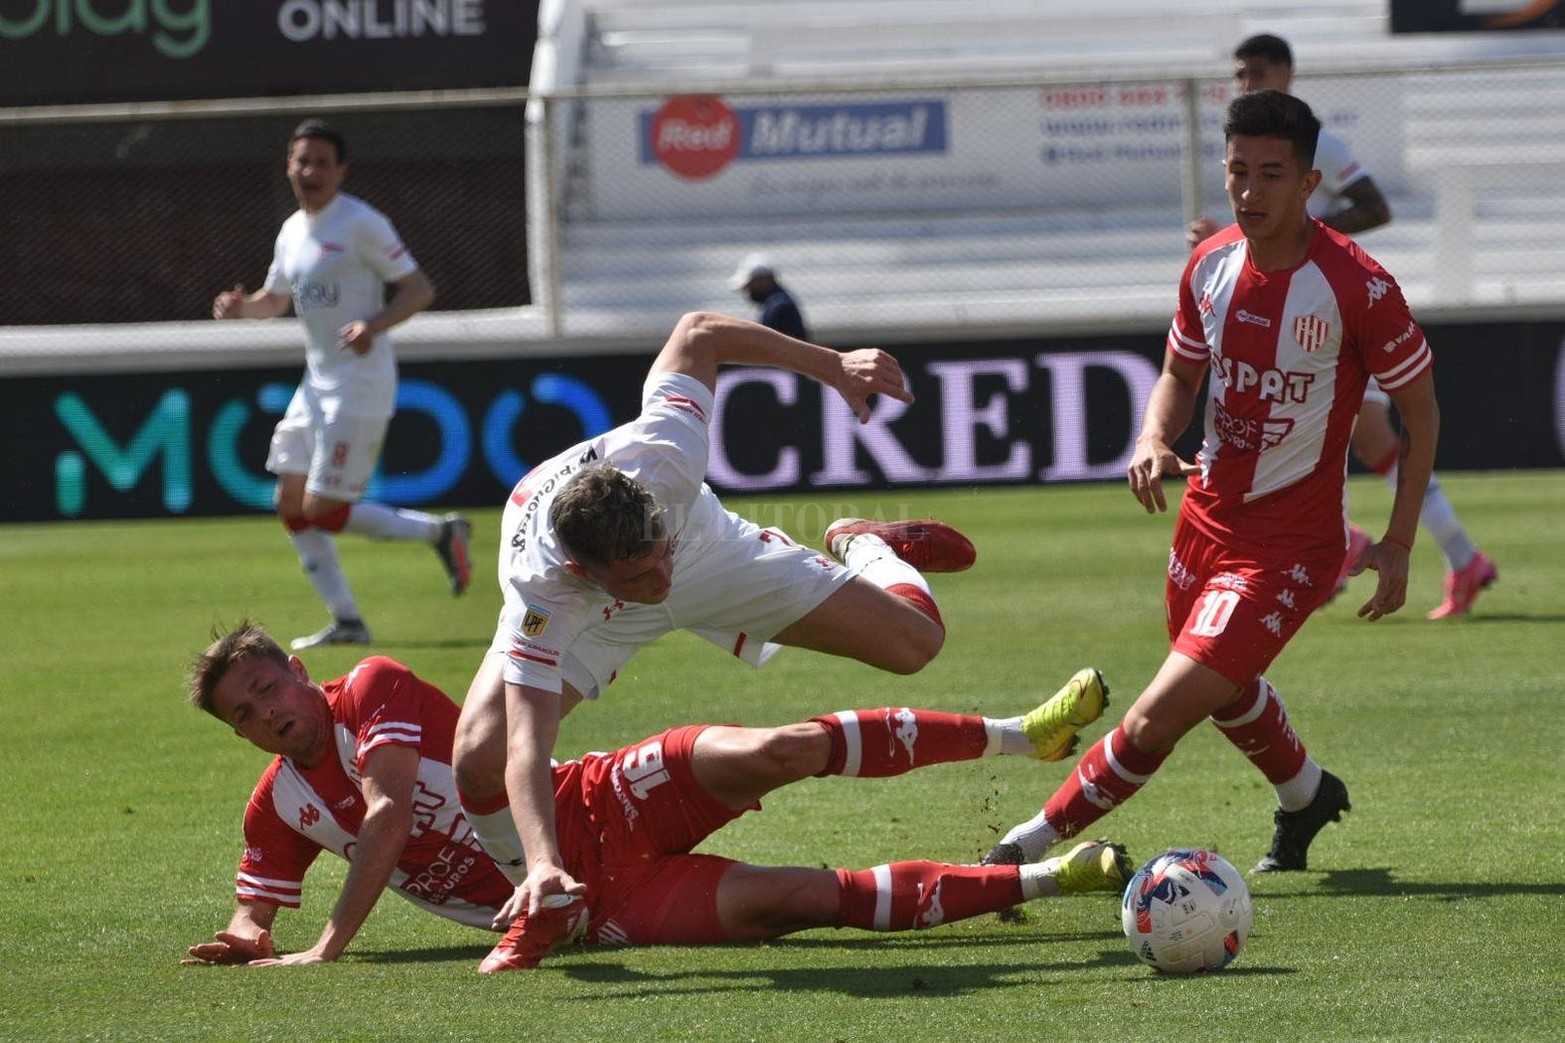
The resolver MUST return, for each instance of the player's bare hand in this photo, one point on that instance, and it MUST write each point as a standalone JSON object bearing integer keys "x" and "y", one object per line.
{"x": 866, "y": 372}
{"x": 542, "y": 880}
{"x": 296, "y": 959}
{"x": 230, "y": 303}
{"x": 231, "y": 948}
{"x": 1389, "y": 561}
{"x": 357, "y": 337}
{"x": 1148, "y": 465}
{"x": 1199, "y": 230}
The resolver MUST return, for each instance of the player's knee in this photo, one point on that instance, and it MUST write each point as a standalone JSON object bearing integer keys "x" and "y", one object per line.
{"x": 477, "y": 761}
{"x": 915, "y": 649}
{"x": 793, "y": 752}
{"x": 1148, "y": 733}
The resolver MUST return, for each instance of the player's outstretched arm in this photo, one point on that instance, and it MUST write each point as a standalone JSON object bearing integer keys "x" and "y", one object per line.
{"x": 389, "y": 776}
{"x": 702, "y": 341}
{"x": 247, "y": 937}
{"x": 1169, "y": 409}
{"x": 532, "y": 723}
{"x": 1420, "y": 414}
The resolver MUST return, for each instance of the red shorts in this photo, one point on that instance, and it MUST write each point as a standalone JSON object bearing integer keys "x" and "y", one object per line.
{"x": 1234, "y": 611}
{"x": 627, "y": 821}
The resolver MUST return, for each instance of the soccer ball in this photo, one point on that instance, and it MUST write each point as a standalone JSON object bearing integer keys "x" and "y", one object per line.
{"x": 1185, "y": 911}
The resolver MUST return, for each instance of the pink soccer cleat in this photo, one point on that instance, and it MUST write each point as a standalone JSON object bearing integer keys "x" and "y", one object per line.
{"x": 562, "y": 918}
{"x": 927, "y": 545}
{"x": 1359, "y": 541}
{"x": 1463, "y": 586}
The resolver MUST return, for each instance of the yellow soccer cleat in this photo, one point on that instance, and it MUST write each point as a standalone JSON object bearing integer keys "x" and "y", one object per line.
{"x": 1092, "y": 865}
{"x": 1052, "y": 727}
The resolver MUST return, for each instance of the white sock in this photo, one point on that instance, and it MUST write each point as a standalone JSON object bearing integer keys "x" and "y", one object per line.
{"x": 1038, "y": 881}
{"x": 1439, "y": 519}
{"x": 496, "y": 831}
{"x": 318, "y": 554}
{"x": 870, "y": 557}
{"x": 380, "y": 522}
{"x": 1298, "y": 791}
{"x": 1006, "y": 738}
{"x": 1034, "y": 837}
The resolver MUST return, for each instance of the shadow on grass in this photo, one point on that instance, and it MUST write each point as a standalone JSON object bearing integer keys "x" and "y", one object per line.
{"x": 1381, "y": 882}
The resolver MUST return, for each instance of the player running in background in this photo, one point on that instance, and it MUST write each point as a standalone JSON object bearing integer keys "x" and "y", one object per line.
{"x": 333, "y": 260}
{"x": 1348, "y": 200}
{"x": 618, "y": 540}
{"x": 363, "y": 770}
{"x": 1292, "y": 318}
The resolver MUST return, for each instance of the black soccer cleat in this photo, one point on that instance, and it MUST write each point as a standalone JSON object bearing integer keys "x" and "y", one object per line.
{"x": 1004, "y": 854}
{"x": 1295, "y": 829}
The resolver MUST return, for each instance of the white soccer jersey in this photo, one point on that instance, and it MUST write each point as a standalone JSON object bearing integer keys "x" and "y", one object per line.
{"x": 665, "y": 448}
{"x": 296, "y": 812}
{"x": 1338, "y": 168}
{"x": 336, "y": 263}
{"x": 1290, "y": 353}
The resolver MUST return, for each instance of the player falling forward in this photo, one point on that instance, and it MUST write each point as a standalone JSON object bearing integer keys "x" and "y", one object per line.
{"x": 618, "y": 540}
{"x": 363, "y": 767}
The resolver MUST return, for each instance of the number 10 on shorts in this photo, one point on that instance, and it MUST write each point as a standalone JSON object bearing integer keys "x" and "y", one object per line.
{"x": 1217, "y": 608}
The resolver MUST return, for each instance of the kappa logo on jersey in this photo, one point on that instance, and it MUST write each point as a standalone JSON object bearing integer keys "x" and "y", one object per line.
{"x": 609, "y": 610}
{"x": 309, "y": 815}
{"x": 1377, "y": 288}
{"x": 1253, "y": 319}
{"x": 1311, "y": 331}
{"x": 1205, "y": 307}
{"x": 535, "y": 622}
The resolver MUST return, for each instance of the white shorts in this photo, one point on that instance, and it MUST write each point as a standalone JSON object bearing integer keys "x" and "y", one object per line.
{"x": 339, "y": 456}
{"x": 741, "y": 589}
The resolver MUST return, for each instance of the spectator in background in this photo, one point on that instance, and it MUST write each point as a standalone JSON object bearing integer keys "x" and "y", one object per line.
{"x": 333, "y": 260}
{"x": 757, "y": 279}
{"x": 1348, "y": 200}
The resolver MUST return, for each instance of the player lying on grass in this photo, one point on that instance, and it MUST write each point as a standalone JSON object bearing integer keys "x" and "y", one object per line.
{"x": 363, "y": 770}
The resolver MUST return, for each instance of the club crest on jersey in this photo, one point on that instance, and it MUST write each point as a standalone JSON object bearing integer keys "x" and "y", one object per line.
{"x": 534, "y": 622}
{"x": 1311, "y": 332}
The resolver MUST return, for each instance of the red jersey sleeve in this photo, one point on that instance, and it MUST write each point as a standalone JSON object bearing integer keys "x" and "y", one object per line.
{"x": 276, "y": 855}
{"x": 1394, "y": 348}
{"x": 381, "y": 701}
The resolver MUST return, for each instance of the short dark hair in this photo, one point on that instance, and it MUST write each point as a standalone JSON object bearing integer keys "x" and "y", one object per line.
{"x": 245, "y": 640}
{"x": 1264, "y": 45}
{"x": 1273, "y": 114}
{"x": 314, "y": 128}
{"x": 603, "y": 516}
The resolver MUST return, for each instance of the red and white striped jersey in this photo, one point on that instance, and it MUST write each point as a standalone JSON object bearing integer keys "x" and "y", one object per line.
{"x": 297, "y": 812}
{"x": 1290, "y": 353}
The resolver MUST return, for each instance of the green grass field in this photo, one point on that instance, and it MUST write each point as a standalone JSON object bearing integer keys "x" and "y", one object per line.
{"x": 1435, "y": 911}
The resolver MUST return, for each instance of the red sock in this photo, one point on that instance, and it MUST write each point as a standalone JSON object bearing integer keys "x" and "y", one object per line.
{"x": 905, "y": 896}
{"x": 333, "y": 520}
{"x": 1106, "y": 776}
{"x": 874, "y": 744}
{"x": 919, "y": 598}
{"x": 1258, "y": 724}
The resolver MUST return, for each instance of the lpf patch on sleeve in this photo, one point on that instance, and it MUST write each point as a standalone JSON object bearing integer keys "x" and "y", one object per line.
{"x": 534, "y": 622}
